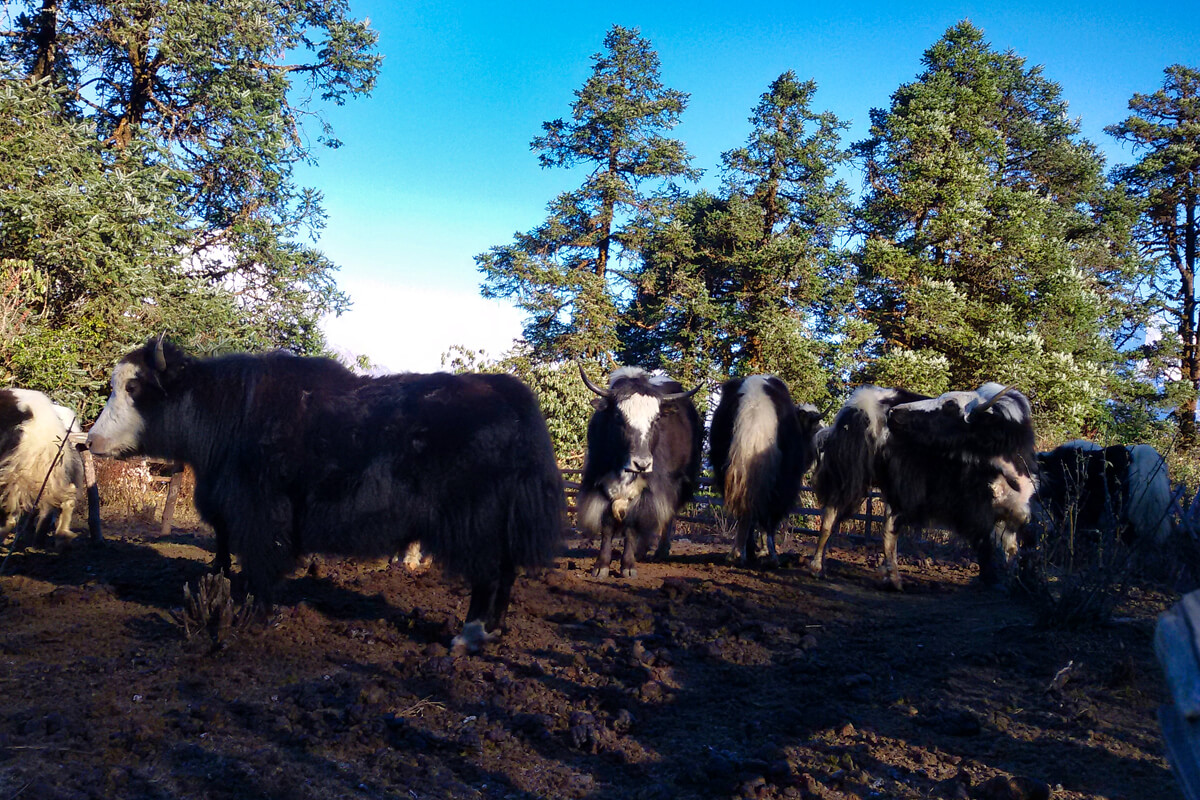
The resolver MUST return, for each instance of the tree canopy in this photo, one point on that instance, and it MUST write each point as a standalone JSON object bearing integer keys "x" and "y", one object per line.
{"x": 169, "y": 133}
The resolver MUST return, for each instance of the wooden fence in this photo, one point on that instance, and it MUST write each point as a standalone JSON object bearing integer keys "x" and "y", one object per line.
{"x": 702, "y": 508}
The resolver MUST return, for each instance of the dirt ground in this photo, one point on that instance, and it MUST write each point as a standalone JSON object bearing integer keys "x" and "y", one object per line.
{"x": 694, "y": 680}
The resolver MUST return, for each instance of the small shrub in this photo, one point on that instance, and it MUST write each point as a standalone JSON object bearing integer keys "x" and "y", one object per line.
{"x": 210, "y": 613}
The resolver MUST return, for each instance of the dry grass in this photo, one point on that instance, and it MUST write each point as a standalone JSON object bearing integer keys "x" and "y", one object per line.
{"x": 137, "y": 490}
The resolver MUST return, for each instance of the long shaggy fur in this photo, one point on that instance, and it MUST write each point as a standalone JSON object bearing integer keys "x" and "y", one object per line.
{"x": 32, "y": 453}
{"x": 297, "y": 455}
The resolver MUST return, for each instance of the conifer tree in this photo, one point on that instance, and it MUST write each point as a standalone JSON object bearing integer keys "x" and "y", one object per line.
{"x": 1164, "y": 131}
{"x": 753, "y": 280}
{"x": 993, "y": 248}
{"x": 568, "y": 273}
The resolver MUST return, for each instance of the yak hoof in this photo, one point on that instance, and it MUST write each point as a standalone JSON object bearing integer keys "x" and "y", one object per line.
{"x": 472, "y": 639}
{"x": 735, "y": 558}
{"x": 770, "y": 562}
{"x": 816, "y": 568}
{"x": 600, "y": 572}
{"x": 631, "y": 572}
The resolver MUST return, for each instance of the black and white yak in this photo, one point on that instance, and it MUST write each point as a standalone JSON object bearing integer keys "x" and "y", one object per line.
{"x": 300, "y": 455}
{"x": 964, "y": 460}
{"x": 642, "y": 465}
{"x": 40, "y": 472}
{"x": 849, "y": 450}
{"x": 1122, "y": 489}
{"x": 760, "y": 447}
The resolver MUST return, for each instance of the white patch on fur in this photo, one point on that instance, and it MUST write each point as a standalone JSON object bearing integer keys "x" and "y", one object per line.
{"x": 1149, "y": 493}
{"x": 119, "y": 428}
{"x": 869, "y": 400}
{"x": 40, "y": 453}
{"x": 755, "y": 434}
{"x": 962, "y": 400}
{"x": 640, "y": 411}
{"x": 589, "y": 515}
{"x": 1011, "y": 505}
{"x": 620, "y": 373}
{"x": 1013, "y": 405}
{"x": 472, "y": 639}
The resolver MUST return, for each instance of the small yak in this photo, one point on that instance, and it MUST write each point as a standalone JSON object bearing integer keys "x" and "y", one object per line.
{"x": 300, "y": 455}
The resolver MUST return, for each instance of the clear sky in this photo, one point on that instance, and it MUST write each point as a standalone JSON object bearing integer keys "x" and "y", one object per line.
{"x": 436, "y": 166}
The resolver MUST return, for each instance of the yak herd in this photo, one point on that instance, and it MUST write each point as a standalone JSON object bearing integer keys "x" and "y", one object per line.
{"x": 300, "y": 455}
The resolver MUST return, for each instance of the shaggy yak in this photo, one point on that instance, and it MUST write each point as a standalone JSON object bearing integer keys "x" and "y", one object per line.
{"x": 298, "y": 455}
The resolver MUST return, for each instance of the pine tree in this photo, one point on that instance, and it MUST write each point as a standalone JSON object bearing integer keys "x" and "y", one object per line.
{"x": 993, "y": 249}
{"x": 754, "y": 280}
{"x": 562, "y": 273}
{"x": 1164, "y": 131}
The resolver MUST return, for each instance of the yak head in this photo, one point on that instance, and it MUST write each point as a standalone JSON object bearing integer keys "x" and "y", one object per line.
{"x": 626, "y": 417}
{"x": 140, "y": 383}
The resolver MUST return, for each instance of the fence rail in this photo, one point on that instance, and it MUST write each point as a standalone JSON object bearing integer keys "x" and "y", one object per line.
{"x": 701, "y": 509}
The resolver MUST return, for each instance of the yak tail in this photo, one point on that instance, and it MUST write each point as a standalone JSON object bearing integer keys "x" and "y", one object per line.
{"x": 754, "y": 457}
{"x": 537, "y": 519}
{"x": 846, "y": 470}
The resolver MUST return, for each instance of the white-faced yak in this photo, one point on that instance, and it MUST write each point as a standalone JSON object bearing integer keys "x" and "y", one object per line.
{"x": 760, "y": 447}
{"x": 298, "y": 455}
{"x": 642, "y": 464}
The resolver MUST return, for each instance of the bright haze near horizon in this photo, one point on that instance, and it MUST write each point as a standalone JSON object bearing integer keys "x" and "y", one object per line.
{"x": 436, "y": 165}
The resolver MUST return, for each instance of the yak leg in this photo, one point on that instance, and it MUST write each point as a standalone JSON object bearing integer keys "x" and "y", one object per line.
{"x": 829, "y": 522}
{"x": 629, "y": 554}
{"x": 604, "y": 559}
{"x": 663, "y": 551}
{"x": 485, "y": 616}
{"x": 984, "y": 551}
{"x": 889, "y": 568}
{"x": 772, "y": 556}
{"x": 739, "y": 554}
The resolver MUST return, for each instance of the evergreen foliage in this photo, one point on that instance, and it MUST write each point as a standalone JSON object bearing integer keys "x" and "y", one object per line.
{"x": 155, "y": 143}
{"x": 992, "y": 247}
{"x": 1164, "y": 131}
{"x": 564, "y": 273}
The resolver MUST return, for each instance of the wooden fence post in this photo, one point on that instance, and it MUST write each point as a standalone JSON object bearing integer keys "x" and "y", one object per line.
{"x": 79, "y": 440}
{"x": 172, "y": 496}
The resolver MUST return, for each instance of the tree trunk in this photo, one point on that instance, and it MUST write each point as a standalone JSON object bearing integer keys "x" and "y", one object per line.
{"x": 1190, "y": 362}
{"x": 45, "y": 40}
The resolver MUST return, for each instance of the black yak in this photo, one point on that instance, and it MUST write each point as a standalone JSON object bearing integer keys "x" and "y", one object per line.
{"x": 965, "y": 460}
{"x": 297, "y": 455}
{"x": 760, "y": 447}
{"x": 642, "y": 463}
{"x": 40, "y": 472}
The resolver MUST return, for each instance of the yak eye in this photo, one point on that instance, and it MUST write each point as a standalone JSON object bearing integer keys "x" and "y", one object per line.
{"x": 132, "y": 386}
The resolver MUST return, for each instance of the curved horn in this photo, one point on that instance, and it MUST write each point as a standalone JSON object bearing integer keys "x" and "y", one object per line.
{"x": 160, "y": 359}
{"x": 589, "y": 384}
{"x": 681, "y": 395}
{"x": 992, "y": 401}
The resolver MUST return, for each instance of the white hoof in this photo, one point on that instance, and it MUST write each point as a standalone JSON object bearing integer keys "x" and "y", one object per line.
{"x": 472, "y": 639}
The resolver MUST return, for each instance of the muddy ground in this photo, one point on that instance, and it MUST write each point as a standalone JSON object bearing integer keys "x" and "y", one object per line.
{"x": 695, "y": 680}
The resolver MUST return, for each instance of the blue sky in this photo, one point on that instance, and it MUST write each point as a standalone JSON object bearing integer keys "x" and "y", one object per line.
{"x": 436, "y": 165}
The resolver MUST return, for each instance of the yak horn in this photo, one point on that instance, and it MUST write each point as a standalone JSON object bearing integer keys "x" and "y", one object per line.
{"x": 591, "y": 385}
{"x": 992, "y": 401}
{"x": 160, "y": 359}
{"x": 681, "y": 395}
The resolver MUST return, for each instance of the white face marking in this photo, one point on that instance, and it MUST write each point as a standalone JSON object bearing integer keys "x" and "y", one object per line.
{"x": 119, "y": 428}
{"x": 640, "y": 411}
